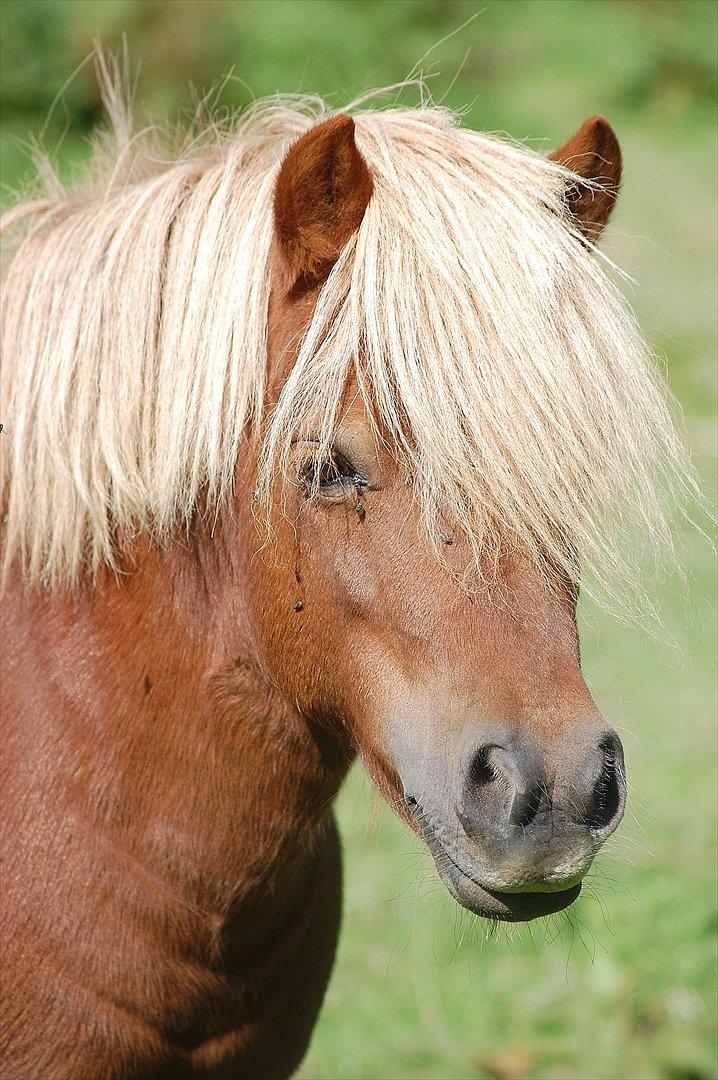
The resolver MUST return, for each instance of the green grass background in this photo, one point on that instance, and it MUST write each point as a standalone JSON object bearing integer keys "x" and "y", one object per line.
{"x": 622, "y": 986}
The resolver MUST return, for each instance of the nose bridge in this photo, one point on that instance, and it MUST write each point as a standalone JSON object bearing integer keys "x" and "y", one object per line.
{"x": 545, "y": 695}
{"x": 528, "y": 661}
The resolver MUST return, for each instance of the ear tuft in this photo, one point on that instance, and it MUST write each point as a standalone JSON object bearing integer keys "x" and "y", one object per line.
{"x": 594, "y": 154}
{"x": 322, "y": 191}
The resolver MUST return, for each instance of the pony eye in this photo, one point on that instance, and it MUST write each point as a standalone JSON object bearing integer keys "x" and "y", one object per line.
{"x": 330, "y": 475}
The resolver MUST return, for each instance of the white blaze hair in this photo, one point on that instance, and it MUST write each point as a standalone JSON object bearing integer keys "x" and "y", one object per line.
{"x": 487, "y": 339}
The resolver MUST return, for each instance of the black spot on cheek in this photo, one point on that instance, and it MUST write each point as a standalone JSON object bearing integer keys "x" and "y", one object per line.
{"x": 147, "y": 684}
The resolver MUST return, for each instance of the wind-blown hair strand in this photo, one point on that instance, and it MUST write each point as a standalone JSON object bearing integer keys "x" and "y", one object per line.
{"x": 486, "y": 336}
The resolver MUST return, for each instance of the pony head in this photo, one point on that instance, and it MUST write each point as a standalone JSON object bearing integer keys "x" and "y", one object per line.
{"x": 446, "y": 645}
{"x": 386, "y": 346}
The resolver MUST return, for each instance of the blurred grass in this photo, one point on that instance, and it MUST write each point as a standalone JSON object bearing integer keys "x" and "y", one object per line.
{"x": 622, "y": 986}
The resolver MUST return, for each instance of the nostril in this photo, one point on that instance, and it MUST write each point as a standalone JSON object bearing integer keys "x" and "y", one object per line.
{"x": 608, "y": 790}
{"x": 481, "y": 771}
{"x": 506, "y": 785}
{"x": 488, "y": 793}
{"x": 526, "y": 806}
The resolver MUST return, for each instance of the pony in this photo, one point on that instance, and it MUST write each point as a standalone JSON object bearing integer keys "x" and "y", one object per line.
{"x": 315, "y": 423}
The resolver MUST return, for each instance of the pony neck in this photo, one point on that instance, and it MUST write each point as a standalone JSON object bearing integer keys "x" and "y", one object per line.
{"x": 169, "y": 740}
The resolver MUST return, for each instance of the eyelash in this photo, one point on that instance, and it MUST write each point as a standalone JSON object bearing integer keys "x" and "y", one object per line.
{"x": 334, "y": 472}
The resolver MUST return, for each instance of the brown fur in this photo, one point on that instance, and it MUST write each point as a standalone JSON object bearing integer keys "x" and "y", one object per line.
{"x": 175, "y": 735}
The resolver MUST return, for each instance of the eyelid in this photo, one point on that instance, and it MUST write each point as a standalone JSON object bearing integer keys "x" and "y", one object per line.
{"x": 347, "y": 476}
{"x": 353, "y": 472}
{"x": 350, "y": 472}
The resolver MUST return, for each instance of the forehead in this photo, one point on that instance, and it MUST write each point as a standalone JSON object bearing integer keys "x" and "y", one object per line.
{"x": 360, "y": 435}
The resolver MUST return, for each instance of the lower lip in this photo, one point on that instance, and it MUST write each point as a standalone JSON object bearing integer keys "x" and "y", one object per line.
{"x": 491, "y": 903}
{"x": 503, "y": 906}
{"x": 515, "y": 907}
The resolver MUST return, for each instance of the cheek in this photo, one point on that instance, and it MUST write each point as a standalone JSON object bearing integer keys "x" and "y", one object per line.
{"x": 338, "y": 562}
{"x": 354, "y": 582}
{"x": 372, "y": 575}
{"x": 373, "y": 601}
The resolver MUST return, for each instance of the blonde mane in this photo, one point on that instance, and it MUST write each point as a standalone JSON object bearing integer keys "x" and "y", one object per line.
{"x": 487, "y": 339}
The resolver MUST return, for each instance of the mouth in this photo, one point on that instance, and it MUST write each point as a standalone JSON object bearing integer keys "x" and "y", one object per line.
{"x": 503, "y": 906}
{"x": 480, "y": 899}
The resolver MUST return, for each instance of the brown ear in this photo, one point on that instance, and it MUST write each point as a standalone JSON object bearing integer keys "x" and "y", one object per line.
{"x": 322, "y": 191}
{"x": 593, "y": 152}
